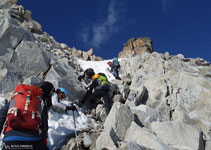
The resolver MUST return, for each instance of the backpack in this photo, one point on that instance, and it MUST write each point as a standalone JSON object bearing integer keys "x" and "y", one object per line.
{"x": 25, "y": 108}
{"x": 102, "y": 74}
{"x": 102, "y": 79}
{"x": 116, "y": 63}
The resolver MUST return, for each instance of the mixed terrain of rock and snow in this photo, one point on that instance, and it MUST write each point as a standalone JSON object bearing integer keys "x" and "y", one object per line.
{"x": 162, "y": 102}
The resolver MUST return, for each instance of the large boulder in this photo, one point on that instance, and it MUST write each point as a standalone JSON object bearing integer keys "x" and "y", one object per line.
{"x": 157, "y": 95}
{"x": 11, "y": 34}
{"x": 137, "y": 95}
{"x": 157, "y": 90}
{"x": 76, "y": 53}
{"x": 178, "y": 135}
{"x": 62, "y": 75}
{"x": 32, "y": 26}
{"x": 7, "y": 3}
{"x": 140, "y": 68}
{"x": 131, "y": 146}
{"x": 115, "y": 126}
{"x": 33, "y": 80}
{"x": 8, "y": 80}
{"x": 145, "y": 115}
{"x": 28, "y": 59}
{"x": 144, "y": 137}
{"x": 190, "y": 92}
{"x": 90, "y": 52}
{"x": 20, "y": 56}
{"x": 119, "y": 119}
{"x": 85, "y": 56}
{"x": 109, "y": 142}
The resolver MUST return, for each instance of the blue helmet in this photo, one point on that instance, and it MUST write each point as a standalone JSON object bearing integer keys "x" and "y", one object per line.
{"x": 63, "y": 90}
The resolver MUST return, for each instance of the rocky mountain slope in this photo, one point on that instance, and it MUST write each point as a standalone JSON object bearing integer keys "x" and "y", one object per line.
{"x": 163, "y": 102}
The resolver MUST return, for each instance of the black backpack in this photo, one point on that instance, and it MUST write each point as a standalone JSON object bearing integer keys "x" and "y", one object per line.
{"x": 102, "y": 74}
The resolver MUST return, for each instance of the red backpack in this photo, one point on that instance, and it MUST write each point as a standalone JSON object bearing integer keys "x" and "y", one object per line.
{"x": 25, "y": 108}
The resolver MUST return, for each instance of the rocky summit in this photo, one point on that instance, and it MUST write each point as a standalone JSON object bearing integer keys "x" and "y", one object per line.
{"x": 162, "y": 103}
{"x": 136, "y": 47}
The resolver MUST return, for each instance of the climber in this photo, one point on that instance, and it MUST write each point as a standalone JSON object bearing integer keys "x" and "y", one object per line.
{"x": 21, "y": 130}
{"x": 110, "y": 64}
{"x": 100, "y": 85}
{"x": 116, "y": 67}
{"x": 57, "y": 96}
{"x": 86, "y": 76}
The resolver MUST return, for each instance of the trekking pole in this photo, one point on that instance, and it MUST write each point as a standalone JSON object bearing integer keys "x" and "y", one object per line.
{"x": 76, "y": 109}
{"x": 108, "y": 72}
{"x": 75, "y": 130}
{"x": 77, "y": 112}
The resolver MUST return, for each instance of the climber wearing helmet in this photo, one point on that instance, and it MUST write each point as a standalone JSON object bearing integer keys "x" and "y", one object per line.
{"x": 100, "y": 88}
{"x": 86, "y": 76}
{"x": 60, "y": 94}
{"x": 116, "y": 66}
{"x": 110, "y": 64}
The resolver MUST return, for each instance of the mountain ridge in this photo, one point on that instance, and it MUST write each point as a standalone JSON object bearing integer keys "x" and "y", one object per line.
{"x": 163, "y": 101}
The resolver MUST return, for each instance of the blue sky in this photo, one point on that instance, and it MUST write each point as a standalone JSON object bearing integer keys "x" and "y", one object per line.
{"x": 176, "y": 26}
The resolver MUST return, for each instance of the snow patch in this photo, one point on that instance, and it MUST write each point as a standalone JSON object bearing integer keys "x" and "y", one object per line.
{"x": 62, "y": 125}
{"x": 98, "y": 66}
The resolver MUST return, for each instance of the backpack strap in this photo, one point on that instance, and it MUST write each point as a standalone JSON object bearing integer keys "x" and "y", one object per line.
{"x": 4, "y": 126}
{"x": 27, "y": 102}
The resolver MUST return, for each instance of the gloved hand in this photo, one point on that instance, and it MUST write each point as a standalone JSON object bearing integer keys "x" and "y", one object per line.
{"x": 79, "y": 78}
{"x": 72, "y": 107}
{"x": 87, "y": 88}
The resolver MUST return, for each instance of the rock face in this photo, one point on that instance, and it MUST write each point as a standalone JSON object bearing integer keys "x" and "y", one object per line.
{"x": 177, "y": 94}
{"x": 178, "y": 134}
{"x": 24, "y": 56}
{"x": 169, "y": 97}
{"x": 144, "y": 137}
{"x": 162, "y": 103}
{"x": 136, "y": 47}
{"x": 115, "y": 126}
{"x": 7, "y": 3}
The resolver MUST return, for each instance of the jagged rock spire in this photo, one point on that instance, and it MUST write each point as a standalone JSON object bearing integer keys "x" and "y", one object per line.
{"x": 136, "y": 47}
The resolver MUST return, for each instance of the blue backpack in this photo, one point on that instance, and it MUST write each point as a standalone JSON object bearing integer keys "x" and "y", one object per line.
{"x": 116, "y": 63}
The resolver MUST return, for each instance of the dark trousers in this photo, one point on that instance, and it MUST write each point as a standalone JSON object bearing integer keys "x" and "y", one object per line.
{"x": 24, "y": 145}
{"x": 98, "y": 94}
{"x": 116, "y": 73}
{"x": 85, "y": 96}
